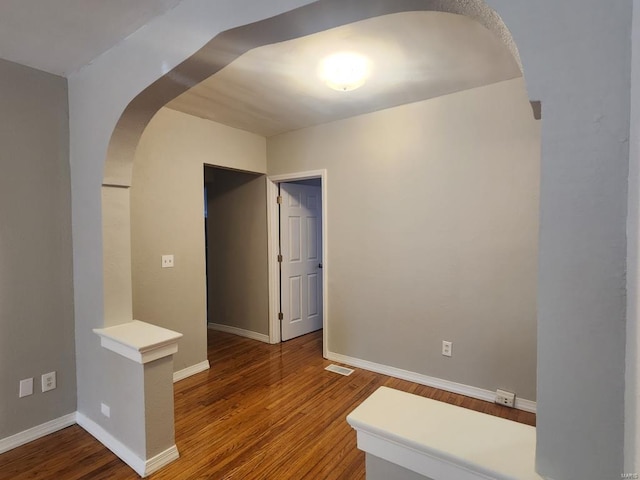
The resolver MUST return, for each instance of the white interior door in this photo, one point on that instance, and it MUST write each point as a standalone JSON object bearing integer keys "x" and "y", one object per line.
{"x": 301, "y": 266}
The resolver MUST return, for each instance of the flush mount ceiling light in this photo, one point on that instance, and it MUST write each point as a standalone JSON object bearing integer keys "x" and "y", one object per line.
{"x": 344, "y": 71}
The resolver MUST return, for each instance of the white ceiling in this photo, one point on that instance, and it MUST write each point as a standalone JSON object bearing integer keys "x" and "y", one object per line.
{"x": 61, "y": 36}
{"x": 273, "y": 89}
{"x": 416, "y": 56}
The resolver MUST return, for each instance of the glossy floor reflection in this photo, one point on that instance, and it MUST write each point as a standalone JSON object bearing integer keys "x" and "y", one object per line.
{"x": 261, "y": 412}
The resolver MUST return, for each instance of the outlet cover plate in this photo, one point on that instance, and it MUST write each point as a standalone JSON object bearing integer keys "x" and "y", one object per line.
{"x": 503, "y": 397}
{"x": 167, "y": 261}
{"x": 48, "y": 381}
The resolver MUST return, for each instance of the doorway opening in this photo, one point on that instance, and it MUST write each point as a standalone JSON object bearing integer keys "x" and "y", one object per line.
{"x": 235, "y": 252}
{"x": 298, "y": 269}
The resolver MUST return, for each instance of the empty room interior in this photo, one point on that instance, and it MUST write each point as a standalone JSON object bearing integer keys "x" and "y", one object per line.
{"x": 435, "y": 200}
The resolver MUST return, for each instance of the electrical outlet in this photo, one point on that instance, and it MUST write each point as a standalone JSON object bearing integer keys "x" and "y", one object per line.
{"x": 167, "y": 261}
{"x": 48, "y": 381}
{"x": 26, "y": 387}
{"x": 508, "y": 399}
{"x": 447, "y": 348}
{"x": 105, "y": 409}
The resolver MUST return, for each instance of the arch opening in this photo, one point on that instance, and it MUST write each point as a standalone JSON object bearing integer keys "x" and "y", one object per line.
{"x": 220, "y": 52}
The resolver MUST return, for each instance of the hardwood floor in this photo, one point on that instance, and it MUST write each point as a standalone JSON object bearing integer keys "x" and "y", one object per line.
{"x": 261, "y": 412}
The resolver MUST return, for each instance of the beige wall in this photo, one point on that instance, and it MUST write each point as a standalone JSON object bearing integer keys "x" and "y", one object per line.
{"x": 432, "y": 233}
{"x": 237, "y": 245}
{"x": 379, "y": 469}
{"x": 167, "y": 217}
{"x": 36, "y": 292}
{"x": 579, "y": 68}
{"x": 433, "y": 219}
{"x": 158, "y": 406}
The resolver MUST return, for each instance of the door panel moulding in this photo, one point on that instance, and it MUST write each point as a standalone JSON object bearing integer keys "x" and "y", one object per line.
{"x": 300, "y": 258}
{"x": 273, "y": 251}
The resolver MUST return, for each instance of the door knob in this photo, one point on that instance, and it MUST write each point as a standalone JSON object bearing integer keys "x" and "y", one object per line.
{"x": 319, "y": 265}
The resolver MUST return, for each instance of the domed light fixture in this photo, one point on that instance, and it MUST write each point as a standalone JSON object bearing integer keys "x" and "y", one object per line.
{"x": 344, "y": 71}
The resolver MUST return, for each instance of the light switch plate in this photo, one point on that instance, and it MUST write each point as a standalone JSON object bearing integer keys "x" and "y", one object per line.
{"x": 26, "y": 387}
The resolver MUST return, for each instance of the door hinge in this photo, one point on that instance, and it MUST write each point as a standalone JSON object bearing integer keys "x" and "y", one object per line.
{"x": 279, "y": 199}
{"x": 280, "y": 316}
{"x": 279, "y": 258}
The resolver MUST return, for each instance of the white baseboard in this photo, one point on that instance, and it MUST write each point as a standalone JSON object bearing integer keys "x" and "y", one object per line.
{"x": 141, "y": 466}
{"x": 165, "y": 458}
{"x": 525, "y": 405}
{"x": 192, "y": 370}
{"x": 122, "y": 451}
{"x": 240, "y": 331}
{"x": 36, "y": 432}
{"x": 467, "y": 390}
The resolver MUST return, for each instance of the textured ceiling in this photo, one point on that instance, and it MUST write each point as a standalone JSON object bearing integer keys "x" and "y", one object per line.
{"x": 61, "y": 36}
{"x": 416, "y": 56}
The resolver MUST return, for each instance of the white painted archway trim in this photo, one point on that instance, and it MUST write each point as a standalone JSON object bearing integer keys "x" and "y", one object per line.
{"x": 272, "y": 240}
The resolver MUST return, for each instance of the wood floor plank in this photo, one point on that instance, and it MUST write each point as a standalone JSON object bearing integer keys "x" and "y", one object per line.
{"x": 261, "y": 412}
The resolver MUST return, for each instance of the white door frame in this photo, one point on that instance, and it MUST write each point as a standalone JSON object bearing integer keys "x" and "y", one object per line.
{"x": 274, "y": 269}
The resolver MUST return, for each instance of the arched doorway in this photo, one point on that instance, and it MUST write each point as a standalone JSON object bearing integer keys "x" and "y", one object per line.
{"x": 564, "y": 268}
